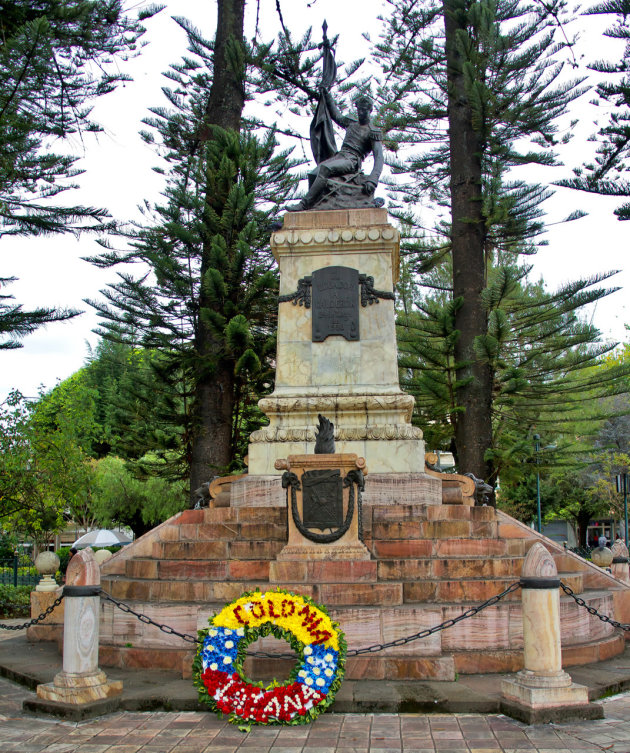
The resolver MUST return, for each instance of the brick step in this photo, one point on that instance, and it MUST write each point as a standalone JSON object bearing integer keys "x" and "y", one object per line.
{"x": 511, "y": 660}
{"x": 430, "y": 529}
{"x": 402, "y": 513}
{"x": 471, "y": 548}
{"x": 217, "y": 550}
{"x": 331, "y": 583}
{"x": 449, "y": 568}
{"x": 472, "y": 590}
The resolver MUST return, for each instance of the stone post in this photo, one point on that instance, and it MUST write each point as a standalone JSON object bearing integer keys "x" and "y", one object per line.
{"x": 81, "y": 681}
{"x": 44, "y": 595}
{"x": 542, "y": 690}
{"x": 620, "y": 561}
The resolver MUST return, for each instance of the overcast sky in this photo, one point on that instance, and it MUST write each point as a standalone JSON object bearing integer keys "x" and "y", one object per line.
{"x": 118, "y": 176}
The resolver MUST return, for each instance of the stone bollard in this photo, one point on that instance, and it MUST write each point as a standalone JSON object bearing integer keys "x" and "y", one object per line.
{"x": 81, "y": 681}
{"x": 542, "y": 691}
{"x": 44, "y": 595}
{"x": 620, "y": 561}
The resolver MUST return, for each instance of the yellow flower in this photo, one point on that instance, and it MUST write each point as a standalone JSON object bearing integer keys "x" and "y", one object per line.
{"x": 288, "y": 611}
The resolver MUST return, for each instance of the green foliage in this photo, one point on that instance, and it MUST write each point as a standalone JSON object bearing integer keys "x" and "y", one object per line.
{"x": 546, "y": 366}
{"x": 15, "y": 601}
{"x": 28, "y": 501}
{"x": 123, "y": 499}
{"x": 606, "y": 174}
{"x": 209, "y": 306}
{"x": 56, "y": 58}
{"x": 8, "y": 545}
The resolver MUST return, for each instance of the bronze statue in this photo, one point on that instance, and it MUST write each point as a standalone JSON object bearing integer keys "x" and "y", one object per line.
{"x": 337, "y": 182}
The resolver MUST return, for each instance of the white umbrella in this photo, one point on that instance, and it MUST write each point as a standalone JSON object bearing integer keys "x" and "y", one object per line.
{"x": 102, "y": 537}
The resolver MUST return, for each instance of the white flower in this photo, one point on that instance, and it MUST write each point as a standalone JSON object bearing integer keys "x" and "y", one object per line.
{"x": 240, "y": 631}
{"x": 210, "y": 648}
{"x": 212, "y": 632}
{"x": 214, "y": 666}
{"x": 229, "y": 644}
{"x": 315, "y": 671}
{"x": 308, "y": 650}
{"x": 228, "y": 631}
{"x": 227, "y": 659}
{"x": 328, "y": 657}
{"x": 309, "y": 680}
{"x": 328, "y": 672}
{"x": 310, "y": 660}
{"x": 320, "y": 681}
{"x": 301, "y": 673}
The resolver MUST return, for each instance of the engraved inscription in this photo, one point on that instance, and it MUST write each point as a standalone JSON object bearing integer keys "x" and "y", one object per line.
{"x": 335, "y": 303}
{"x": 322, "y": 499}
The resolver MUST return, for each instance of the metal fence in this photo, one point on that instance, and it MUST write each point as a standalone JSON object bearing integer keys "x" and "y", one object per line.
{"x": 18, "y": 571}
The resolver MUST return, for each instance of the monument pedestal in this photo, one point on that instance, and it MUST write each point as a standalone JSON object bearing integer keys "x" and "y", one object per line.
{"x": 324, "y": 507}
{"x": 336, "y": 352}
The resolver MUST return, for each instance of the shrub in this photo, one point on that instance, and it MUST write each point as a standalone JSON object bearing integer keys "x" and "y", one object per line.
{"x": 15, "y": 601}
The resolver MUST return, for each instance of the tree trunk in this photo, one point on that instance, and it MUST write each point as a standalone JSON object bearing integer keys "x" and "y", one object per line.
{"x": 473, "y": 428}
{"x": 214, "y": 388}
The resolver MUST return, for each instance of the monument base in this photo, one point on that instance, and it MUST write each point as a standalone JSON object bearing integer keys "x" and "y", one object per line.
{"x": 79, "y": 688}
{"x": 539, "y": 691}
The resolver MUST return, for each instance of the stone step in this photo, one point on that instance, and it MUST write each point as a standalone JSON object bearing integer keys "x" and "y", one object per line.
{"x": 217, "y": 550}
{"x": 429, "y": 529}
{"x": 471, "y": 590}
{"x": 449, "y": 568}
{"x": 401, "y": 513}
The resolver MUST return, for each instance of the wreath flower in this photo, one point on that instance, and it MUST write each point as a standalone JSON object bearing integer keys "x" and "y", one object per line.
{"x": 314, "y": 681}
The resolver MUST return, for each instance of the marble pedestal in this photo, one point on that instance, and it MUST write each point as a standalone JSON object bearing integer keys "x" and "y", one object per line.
{"x": 353, "y": 382}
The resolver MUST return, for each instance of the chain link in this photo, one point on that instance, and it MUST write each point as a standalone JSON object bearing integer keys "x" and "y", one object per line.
{"x": 354, "y": 652}
{"x": 35, "y": 620}
{"x": 148, "y": 621}
{"x": 436, "y": 628}
{"x": 591, "y": 610}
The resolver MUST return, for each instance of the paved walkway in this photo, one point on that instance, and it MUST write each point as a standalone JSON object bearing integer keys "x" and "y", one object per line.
{"x": 199, "y": 732}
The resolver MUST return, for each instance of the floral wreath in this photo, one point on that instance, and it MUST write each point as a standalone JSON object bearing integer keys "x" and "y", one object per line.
{"x": 312, "y": 685}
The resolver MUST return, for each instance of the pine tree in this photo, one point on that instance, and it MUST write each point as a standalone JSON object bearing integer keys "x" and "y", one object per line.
{"x": 15, "y": 323}
{"x": 208, "y": 301}
{"x": 56, "y": 58}
{"x": 607, "y": 173}
{"x": 542, "y": 358}
{"x": 476, "y": 85}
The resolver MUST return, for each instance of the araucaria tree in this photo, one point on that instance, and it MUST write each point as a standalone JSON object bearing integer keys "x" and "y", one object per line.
{"x": 56, "y": 58}
{"x": 473, "y": 90}
{"x": 607, "y": 173}
{"x": 206, "y": 298}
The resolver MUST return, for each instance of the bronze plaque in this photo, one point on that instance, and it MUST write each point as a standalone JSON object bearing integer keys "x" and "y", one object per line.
{"x": 322, "y": 499}
{"x": 335, "y": 303}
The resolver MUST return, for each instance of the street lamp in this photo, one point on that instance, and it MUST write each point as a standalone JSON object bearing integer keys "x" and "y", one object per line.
{"x": 621, "y": 479}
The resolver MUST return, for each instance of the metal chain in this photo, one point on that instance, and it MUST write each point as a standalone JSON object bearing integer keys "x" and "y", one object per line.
{"x": 442, "y": 626}
{"x": 354, "y": 652}
{"x": 148, "y": 621}
{"x": 591, "y": 610}
{"x": 34, "y": 621}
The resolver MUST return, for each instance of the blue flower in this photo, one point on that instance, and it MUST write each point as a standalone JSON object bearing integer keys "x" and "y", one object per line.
{"x": 319, "y": 668}
{"x": 220, "y": 648}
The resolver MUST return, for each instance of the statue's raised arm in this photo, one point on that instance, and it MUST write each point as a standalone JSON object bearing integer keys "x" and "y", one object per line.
{"x": 337, "y": 182}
